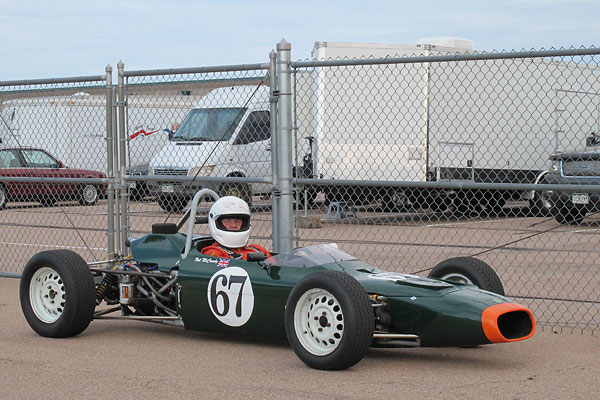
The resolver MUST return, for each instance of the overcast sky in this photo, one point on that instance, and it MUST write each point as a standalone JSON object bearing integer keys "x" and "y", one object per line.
{"x": 49, "y": 39}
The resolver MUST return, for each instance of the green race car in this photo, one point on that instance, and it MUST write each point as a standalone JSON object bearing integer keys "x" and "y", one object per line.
{"x": 330, "y": 306}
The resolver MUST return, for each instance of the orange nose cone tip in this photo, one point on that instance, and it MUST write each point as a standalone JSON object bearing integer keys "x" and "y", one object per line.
{"x": 492, "y": 330}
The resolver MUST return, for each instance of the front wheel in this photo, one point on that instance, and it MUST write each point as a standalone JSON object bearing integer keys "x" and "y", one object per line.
{"x": 468, "y": 270}
{"x": 329, "y": 321}
{"x": 57, "y": 294}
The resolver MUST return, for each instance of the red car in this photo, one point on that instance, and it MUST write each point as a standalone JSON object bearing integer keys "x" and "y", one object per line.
{"x": 38, "y": 163}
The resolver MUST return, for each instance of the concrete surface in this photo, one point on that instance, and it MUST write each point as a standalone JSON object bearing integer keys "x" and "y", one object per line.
{"x": 135, "y": 360}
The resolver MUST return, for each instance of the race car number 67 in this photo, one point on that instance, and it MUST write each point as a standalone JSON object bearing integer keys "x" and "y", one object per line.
{"x": 230, "y": 296}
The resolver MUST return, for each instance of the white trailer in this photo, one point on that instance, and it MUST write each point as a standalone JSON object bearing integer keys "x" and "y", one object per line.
{"x": 478, "y": 120}
{"x": 73, "y": 128}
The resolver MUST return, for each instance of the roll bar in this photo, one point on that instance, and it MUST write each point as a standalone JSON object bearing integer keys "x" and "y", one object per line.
{"x": 192, "y": 221}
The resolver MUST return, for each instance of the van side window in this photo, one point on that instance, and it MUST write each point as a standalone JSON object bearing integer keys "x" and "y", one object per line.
{"x": 255, "y": 129}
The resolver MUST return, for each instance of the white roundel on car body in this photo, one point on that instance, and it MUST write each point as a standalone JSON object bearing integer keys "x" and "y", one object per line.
{"x": 230, "y": 296}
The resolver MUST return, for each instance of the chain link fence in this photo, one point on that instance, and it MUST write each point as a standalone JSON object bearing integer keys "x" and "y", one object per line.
{"x": 205, "y": 129}
{"x": 53, "y": 164}
{"x": 402, "y": 155}
{"x": 434, "y": 153}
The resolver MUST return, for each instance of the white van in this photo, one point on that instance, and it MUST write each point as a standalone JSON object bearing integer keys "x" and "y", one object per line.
{"x": 226, "y": 135}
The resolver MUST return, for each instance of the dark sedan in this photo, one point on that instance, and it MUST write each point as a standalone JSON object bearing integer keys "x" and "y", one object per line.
{"x": 38, "y": 163}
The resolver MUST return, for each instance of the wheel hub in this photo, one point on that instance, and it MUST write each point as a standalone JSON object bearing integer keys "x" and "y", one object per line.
{"x": 47, "y": 295}
{"x": 89, "y": 193}
{"x": 319, "y": 322}
{"x": 458, "y": 278}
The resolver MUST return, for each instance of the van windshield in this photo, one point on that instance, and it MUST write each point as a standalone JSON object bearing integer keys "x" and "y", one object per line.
{"x": 209, "y": 124}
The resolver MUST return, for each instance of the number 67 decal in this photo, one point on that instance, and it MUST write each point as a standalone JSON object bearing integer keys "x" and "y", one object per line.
{"x": 230, "y": 296}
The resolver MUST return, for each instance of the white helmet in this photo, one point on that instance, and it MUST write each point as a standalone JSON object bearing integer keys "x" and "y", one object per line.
{"x": 229, "y": 207}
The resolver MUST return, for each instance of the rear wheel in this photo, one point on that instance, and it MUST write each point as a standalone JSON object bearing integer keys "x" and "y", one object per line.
{"x": 88, "y": 195}
{"x": 329, "y": 321}
{"x": 57, "y": 293}
{"x": 468, "y": 270}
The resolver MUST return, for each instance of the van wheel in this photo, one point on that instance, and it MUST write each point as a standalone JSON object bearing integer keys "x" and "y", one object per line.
{"x": 240, "y": 190}
{"x": 172, "y": 203}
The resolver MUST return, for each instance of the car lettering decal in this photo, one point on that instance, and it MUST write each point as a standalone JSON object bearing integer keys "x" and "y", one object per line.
{"x": 230, "y": 296}
{"x": 206, "y": 260}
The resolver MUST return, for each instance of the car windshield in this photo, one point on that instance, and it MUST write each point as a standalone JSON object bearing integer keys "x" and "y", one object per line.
{"x": 209, "y": 124}
{"x": 310, "y": 256}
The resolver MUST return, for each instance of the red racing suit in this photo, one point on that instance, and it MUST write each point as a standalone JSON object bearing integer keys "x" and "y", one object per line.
{"x": 216, "y": 250}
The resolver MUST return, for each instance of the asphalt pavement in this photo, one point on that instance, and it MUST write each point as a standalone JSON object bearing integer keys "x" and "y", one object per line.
{"x": 133, "y": 360}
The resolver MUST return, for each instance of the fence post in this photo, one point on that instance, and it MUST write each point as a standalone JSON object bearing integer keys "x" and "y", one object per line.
{"x": 110, "y": 208}
{"x": 285, "y": 215}
{"x": 123, "y": 192}
{"x": 275, "y": 194}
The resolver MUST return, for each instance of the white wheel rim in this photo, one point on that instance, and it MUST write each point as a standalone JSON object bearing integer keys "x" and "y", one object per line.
{"x": 47, "y": 295}
{"x": 2, "y": 196}
{"x": 89, "y": 193}
{"x": 319, "y": 322}
{"x": 458, "y": 278}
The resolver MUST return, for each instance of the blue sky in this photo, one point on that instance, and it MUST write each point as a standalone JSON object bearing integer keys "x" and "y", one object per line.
{"x": 48, "y": 39}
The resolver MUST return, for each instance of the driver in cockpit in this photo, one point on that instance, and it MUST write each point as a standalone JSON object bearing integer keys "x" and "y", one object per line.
{"x": 229, "y": 223}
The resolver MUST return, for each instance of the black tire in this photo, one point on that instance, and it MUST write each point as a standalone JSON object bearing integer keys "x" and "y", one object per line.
{"x": 241, "y": 190}
{"x": 48, "y": 201}
{"x": 61, "y": 273}
{"x": 140, "y": 192}
{"x": 3, "y": 196}
{"x": 88, "y": 194}
{"x": 565, "y": 212}
{"x": 468, "y": 270}
{"x": 172, "y": 203}
{"x": 335, "y": 297}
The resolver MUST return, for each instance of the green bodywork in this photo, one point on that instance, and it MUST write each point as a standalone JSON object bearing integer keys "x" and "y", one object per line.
{"x": 439, "y": 312}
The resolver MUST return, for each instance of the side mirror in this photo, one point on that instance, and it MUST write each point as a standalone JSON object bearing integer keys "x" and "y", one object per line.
{"x": 171, "y": 134}
{"x": 256, "y": 256}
